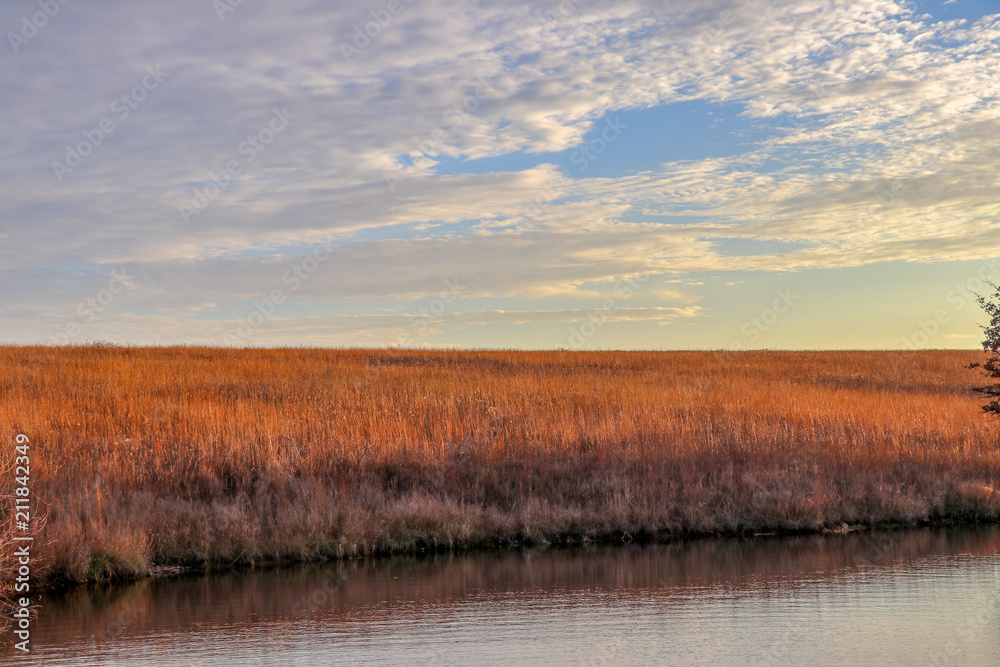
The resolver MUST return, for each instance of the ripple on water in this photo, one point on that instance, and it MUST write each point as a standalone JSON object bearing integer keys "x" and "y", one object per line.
{"x": 900, "y": 597}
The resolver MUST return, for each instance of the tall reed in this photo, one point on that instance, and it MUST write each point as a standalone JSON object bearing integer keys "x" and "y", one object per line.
{"x": 161, "y": 455}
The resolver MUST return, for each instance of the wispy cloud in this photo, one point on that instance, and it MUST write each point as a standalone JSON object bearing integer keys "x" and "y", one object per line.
{"x": 875, "y": 140}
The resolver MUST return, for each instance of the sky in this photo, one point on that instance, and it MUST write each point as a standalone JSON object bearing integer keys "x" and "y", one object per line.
{"x": 740, "y": 174}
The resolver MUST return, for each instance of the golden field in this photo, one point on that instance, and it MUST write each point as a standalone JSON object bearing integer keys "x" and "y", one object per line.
{"x": 145, "y": 456}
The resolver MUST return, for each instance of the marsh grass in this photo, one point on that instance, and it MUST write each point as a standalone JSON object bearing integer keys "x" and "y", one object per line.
{"x": 202, "y": 455}
{"x": 7, "y": 546}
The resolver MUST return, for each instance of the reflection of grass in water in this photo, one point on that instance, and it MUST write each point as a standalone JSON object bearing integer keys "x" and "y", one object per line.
{"x": 154, "y": 455}
{"x": 7, "y": 560}
{"x": 348, "y": 595}
{"x": 109, "y": 566}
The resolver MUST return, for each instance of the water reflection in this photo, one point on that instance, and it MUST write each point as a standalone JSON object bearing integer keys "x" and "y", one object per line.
{"x": 904, "y": 597}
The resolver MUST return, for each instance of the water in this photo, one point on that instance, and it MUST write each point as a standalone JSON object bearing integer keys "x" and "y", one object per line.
{"x": 917, "y": 597}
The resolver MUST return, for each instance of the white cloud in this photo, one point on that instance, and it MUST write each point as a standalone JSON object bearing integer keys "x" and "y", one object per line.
{"x": 863, "y": 98}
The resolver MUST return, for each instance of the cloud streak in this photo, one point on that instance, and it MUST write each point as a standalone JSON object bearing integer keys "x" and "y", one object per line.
{"x": 875, "y": 141}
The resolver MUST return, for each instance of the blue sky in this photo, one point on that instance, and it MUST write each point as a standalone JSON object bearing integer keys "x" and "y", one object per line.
{"x": 643, "y": 139}
{"x": 740, "y": 174}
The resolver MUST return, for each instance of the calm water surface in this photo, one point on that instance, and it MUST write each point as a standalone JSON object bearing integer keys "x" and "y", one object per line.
{"x": 919, "y": 597}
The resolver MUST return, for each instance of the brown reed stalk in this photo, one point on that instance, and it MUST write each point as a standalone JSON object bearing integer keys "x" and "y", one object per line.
{"x": 185, "y": 454}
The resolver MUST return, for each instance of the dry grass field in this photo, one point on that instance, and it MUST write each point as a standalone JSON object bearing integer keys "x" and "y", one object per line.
{"x": 146, "y": 456}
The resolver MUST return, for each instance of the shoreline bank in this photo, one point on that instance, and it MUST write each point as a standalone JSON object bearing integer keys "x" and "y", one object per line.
{"x": 197, "y": 455}
{"x": 430, "y": 548}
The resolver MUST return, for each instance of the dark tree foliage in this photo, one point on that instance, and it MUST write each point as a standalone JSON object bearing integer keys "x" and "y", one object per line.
{"x": 991, "y": 344}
